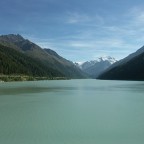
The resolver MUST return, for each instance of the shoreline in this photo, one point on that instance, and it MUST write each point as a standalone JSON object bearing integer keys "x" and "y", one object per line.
{"x": 13, "y": 78}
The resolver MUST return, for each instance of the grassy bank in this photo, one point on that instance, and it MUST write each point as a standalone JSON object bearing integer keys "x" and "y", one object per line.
{"x": 9, "y": 78}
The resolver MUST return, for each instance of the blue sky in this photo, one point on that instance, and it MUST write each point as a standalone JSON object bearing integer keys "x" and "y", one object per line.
{"x": 79, "y": 30}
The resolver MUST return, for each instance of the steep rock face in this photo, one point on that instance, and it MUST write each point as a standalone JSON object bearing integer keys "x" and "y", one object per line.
{"x": 129, "y": 68}
{"x": 47, "y": 57}
{"x": 95, "y": 67}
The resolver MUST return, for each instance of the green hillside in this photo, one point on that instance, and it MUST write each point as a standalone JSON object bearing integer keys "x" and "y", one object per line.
{"x": 21, "y": 56}
{"x": 13, "y": 62}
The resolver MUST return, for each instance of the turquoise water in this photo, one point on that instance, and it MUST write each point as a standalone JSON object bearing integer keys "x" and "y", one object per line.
{"x": 72, "y": 112}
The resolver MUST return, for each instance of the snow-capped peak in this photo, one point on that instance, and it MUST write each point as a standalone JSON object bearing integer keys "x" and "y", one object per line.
{"x": 87, "y": 64}
{"x": 106, "y": 58}
{"x": 94, "y": 67}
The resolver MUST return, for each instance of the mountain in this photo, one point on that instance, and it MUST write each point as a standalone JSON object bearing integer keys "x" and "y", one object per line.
{"x": 129, "y": 68}
{"x": 48, "y": 58}
{"x": 13, "y": 62}
{"x": 95, "y": 67}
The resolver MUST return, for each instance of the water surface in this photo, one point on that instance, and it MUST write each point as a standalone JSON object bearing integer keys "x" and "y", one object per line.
{"x": 72, "y": 112}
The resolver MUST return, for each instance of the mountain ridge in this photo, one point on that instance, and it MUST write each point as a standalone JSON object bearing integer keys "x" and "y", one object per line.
{"x": 47, "y": 57}
{"x": 94, "y": 67}
{"x": 129, "y": 68}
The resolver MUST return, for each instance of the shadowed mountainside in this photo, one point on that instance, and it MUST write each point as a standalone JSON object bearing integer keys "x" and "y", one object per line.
{"x": 129, "y": 68}
{"x": 48, "y": 59}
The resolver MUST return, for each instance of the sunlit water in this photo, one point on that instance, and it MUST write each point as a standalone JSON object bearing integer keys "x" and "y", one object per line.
{"x": 72, "y": 112}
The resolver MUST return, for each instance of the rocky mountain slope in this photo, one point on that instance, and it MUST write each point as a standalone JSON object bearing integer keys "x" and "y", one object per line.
{"x": 95, "y": 67}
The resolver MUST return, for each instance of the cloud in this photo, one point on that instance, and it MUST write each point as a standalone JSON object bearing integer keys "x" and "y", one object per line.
{"x": 137, "y": 15}
{"x": 94, "y": 37}
{"x": 82, "y": 18}
{"x": 77, "y": 18}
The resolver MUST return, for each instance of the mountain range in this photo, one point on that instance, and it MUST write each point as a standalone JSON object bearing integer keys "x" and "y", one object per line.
{"x": 21, "y": 56}
{"x": 129, "y": 68}
{"x": 95, "y": 67}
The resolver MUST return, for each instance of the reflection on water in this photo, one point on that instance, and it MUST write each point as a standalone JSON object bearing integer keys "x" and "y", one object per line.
{"x": 72, "y": 112}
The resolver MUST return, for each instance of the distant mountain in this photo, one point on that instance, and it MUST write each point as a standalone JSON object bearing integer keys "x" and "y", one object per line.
{"x": 95, "y": 67}
{"x": 129, "y": 68}
{"x": 48, "y": 58}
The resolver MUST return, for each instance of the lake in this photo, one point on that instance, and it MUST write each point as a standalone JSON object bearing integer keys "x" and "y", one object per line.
{"x": 72, "y": 112}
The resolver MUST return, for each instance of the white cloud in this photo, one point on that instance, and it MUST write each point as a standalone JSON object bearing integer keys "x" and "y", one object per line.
{"x": 84, "y": 19}
{"x": 77, "y": 18}
{"x": 117, "y": 40}
{"x": 137, "y": 15}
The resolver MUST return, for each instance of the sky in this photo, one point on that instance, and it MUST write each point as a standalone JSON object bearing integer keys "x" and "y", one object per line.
{"x": 79, "y": 30}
